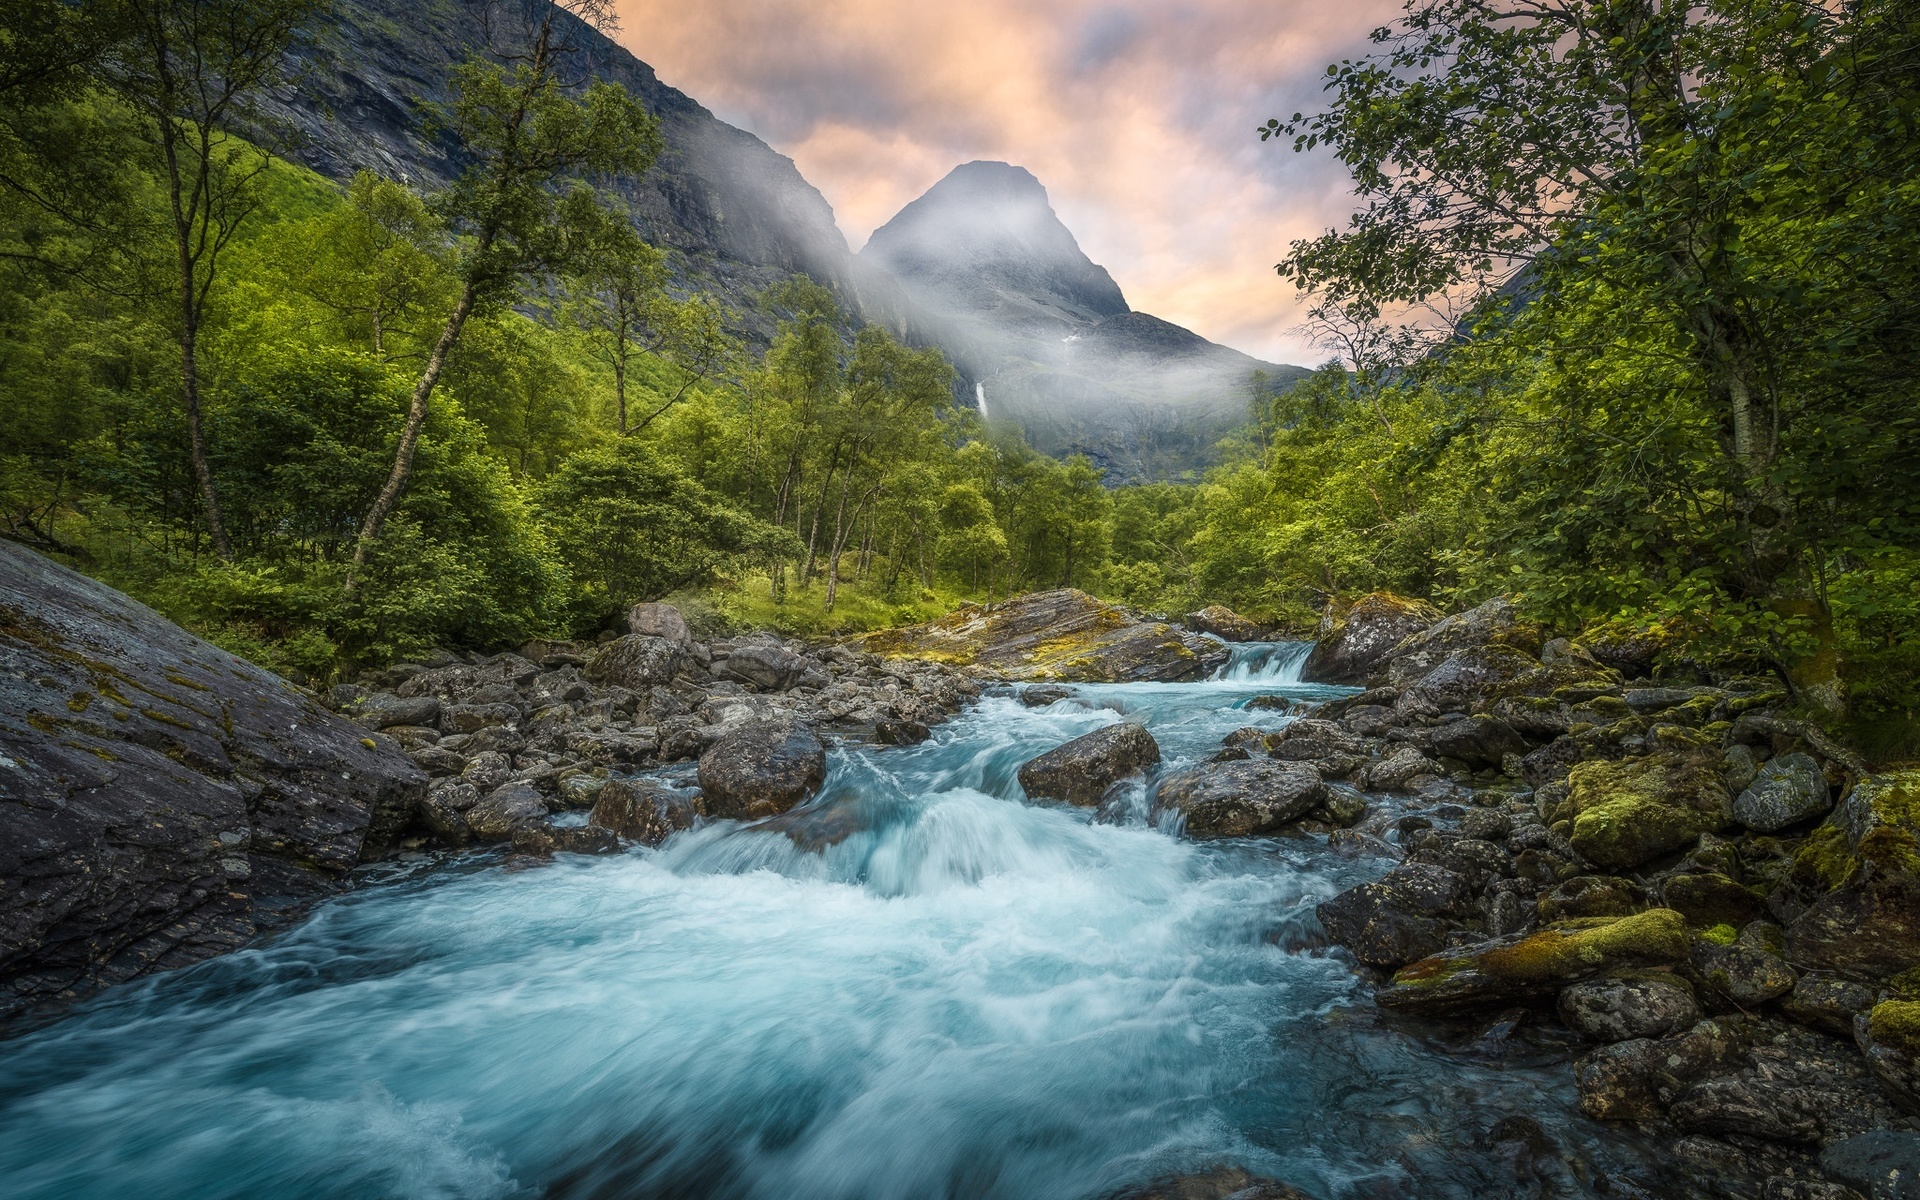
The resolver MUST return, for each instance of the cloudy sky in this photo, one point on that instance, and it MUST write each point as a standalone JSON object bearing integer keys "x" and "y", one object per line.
{"x": 1138, "y": 115}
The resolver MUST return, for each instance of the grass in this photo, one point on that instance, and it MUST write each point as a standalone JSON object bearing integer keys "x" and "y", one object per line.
{"x": 861, "y": 607}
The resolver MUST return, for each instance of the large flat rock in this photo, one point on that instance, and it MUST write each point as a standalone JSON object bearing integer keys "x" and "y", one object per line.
{"x": 161, "y": 801}
{"x": 1066, "y": 636}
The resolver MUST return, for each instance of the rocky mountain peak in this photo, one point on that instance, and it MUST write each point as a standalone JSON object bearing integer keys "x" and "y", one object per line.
{"x": 985, "y": 239}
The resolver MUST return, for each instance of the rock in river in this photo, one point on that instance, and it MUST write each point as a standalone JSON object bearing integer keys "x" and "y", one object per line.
{"x": 1080, "y": 771}
{"x": 1239, "y": 799}
{"x": 1066, "y": 636}
{"x": 1522, "y": 968}
{"x": 761, "y": 768}
{"x": 160, "y": 800}
{"x": 1353, "y": 646}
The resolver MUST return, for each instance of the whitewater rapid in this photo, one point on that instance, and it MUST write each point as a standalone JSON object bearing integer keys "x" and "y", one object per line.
{"x": 946, "y": 992}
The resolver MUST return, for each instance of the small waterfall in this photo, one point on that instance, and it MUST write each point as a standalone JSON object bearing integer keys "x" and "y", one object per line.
{"x": 980, "y": 399}
{"x": 1265, "y": 662}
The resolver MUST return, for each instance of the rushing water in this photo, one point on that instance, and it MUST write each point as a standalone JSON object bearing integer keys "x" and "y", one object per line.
{"x": 965, "y": 996}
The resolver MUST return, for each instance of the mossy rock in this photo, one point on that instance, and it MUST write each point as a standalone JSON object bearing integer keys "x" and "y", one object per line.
{"x": 1525, "y": 968}
{"x": 1060, "y": 636}
{"x": 1631, "y": 811}
{"x": 1858, "y": 877}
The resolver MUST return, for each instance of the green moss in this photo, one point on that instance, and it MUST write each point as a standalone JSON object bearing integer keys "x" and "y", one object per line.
{"x": 1570, "y": 951}
{"x": 1632, "y": 811}
{"x": 1906, "y": 985}
{"x": 369, "y": 743}
{"x": 154, "y": 714}
{"x": 1884, "y": 814}
{"x": 1896, "y": 1023}
{"x": 176, "y": 677}
{"x": 80, "y": 702}
{"x": 1720, "y": 935}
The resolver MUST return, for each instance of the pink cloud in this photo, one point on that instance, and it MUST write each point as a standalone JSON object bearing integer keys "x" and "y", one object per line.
{"x": 1139, "y": 117}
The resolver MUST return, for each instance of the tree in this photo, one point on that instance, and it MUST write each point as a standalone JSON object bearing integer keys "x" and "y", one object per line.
{"x": 378, "y": 262}
{"x": 525, "y": 133}
{"x": 192, "y": 69}
{"x": 621, "y": 299}
{"x": 1637, "y": 145}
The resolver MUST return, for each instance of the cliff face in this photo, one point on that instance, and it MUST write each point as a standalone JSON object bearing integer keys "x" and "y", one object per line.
{"x": 737, "y": 215}
{"x": 161, "y": 801}
{"x": 1043, "y": 336}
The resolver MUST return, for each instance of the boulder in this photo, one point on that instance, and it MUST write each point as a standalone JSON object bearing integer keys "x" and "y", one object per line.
{"x": 767, "y": 666}
{"x": 1223, "y": 623}
{"x": 1240, "y": 799}
{"x": 1043, "y": 694}
{"x": 1493, "y": 624}
{"x": 1586, "y": 896}
{"x": 1744, "y": 974}
{"x": 761, "y": 768}
{"x": 1628, "y": 812}
{"x": 660, "y": 621}
{"x": 382, "y": 710}
{"x": 1467, "y": 681}
{"x": 444, "y": 810}
{"x": 1396, "y": 920}
{"x": 1708, "y": 898}
{"x": 1513, "y": 969}
{"x": 1786, "y": 791}
{"x": 1856, "y": 883}
{"x": 544, "y": 841}
{"x": 1063, "y": 636}
{"x": 900, "y": 733}
{"x": 1889, "y": 1036}
{"x": 504, "y": 810}
{"x": 161, "y": 801}
{"x": 638, "y": 662}
{"x": 1883, "y": 1164}
{"x": 641, "y": 811}
{"x": 1352, "y": 644}
{"x": 1080, "y": 771}
{"x": 1477, "y": 741}
{"x": 1614, "y": 1008}
{"x": 1827, "y": 1003}
{"x": 1397, "y": 770}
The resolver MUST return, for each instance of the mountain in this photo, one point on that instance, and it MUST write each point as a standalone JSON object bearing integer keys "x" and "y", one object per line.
{"x": 980, "y": 266}
{"x": 735, "y": 214}
{"x": 1043, "y": 336}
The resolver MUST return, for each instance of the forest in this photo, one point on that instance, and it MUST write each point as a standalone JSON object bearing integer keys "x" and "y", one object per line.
{"x": 1624, "y": 325}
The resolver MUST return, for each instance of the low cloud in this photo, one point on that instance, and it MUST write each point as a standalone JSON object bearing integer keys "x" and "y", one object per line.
{"x": 1138, "y": 117}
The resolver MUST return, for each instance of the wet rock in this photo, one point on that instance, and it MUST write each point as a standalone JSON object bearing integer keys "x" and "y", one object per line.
{"x": 1468, "y": 681}
{"x": 1591, "y": 896}
{"x": 443, "y": 810}
{"x": 1065, "y": 636}
{"x": 761, "y": 768}
{"x": 1476, "y": 741}
{"x": 1041, "y": 695}
{"x": 438, "y": 762}
{"x": 1889, "y": 1036}
{"x": 1240, "y": 799}
{"x": 1493, "y": 624}
{"x": 1629, "y": 812}
{"x": 1882, "y": 1165}
{"x": 1616, "y": 1008}
{"x": 1352, "y": 646}
{"x": 660, "y": 621}
{"x": 762, "y": 665}
{"x": 1344, "y": 807}
{"x": 1396, "y": 920}
{"x": 382, "y": 709}
{"x": 581, "y": 790}
{"x": 487, "y": 770}
{"x": 1538, "y": 718}
{"x": 545, "y": 841}
{"x": 472, "y": 718}
{"x": 505, "y": 809}
{"x": 641, "y": 811}
{"x": 1786, "y": 791}
{"x": 1856, "y": 883}
{"x": 1223, "y": 623}
{"x": 1080, "y": 771}
{"x": 1523, "y": 968}
{"x": 1221, "y": 1183}
{"x": 161, "y": 801}
{"x": 1827, "y": 1003}
{"x": 1708, "y": 898}
{"x": 1397, "y": 771}
{"x": 1368, "y": 720}
{"x": 1743, "y": 974}
{"x": 638, "y": 662}
{"x": 900, "y": 733}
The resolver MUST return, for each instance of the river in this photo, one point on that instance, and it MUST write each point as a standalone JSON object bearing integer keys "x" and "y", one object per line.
{"x": 965, "y": 996}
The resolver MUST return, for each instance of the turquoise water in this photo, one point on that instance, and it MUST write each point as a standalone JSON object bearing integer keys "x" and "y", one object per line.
{"x": 962, "y": 996}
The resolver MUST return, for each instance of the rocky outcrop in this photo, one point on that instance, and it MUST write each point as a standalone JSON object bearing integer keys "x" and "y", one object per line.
{"x": 162, "y": 801}
{"x": 1061, "y": 636}
{"x": 1354, "y": 641}
{"x": 1225, "y": 624}
{"x": 761, "y": 769}
{"x": 1241, "y": 799}
{"x": 1081, "y": 771}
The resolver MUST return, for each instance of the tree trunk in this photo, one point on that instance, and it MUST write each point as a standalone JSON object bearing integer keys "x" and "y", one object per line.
{"x": 410, "y": 433}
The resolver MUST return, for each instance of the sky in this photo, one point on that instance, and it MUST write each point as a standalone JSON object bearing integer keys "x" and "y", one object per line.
{"x": 1139, "y": 117}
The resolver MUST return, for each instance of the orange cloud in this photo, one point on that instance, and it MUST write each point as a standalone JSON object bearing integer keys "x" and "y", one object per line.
{"x": 1139, "y": 117}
